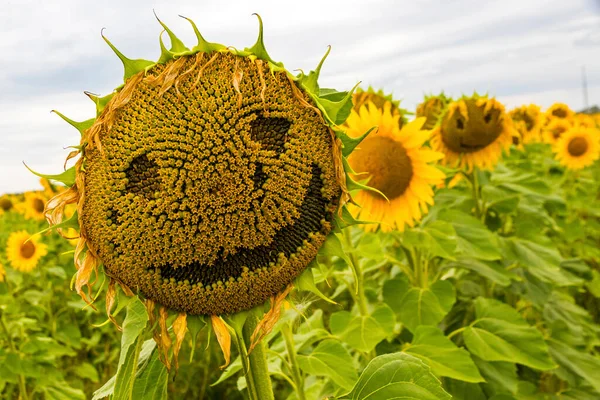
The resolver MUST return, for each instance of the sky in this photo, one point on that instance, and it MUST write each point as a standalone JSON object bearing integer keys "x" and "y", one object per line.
{"x": 521, "y": 51}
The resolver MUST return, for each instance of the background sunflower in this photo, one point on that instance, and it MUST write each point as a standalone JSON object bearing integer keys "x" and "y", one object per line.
{"x": 395, "y": 162}
{"x": 24, "y": 251}
{"x": 577, "y": 148}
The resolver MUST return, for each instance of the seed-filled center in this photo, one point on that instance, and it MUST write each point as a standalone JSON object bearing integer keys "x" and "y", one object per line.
{"x": 5, "y": 204}
{"x": 38, "y": 205}
{"x": 559, "y": 113}
{"x": 577, "y": 146}
{"x": 386, "y": 164}
{"x": 467, "y": 135}
{"x": 213, "y": 194}
{"x": 27, "y": 249}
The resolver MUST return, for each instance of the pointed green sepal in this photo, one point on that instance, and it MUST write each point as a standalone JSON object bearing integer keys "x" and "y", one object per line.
{"x": 337, "y": 105}
{"x": 310, "y": 81}
{"x": 259, "y": 49}
{"x": 72, "y": 222}
{"x": 100, "y": 102}
{"x": 80, "y": 126}
{"x": 348, "y": 143}
{"x": 177, "y": 45}
{"x": 165, "y": 55}
{"x": 67, "y": 177}
{"x": 203, "y": 46}
{"x": 132, "y": 67}
{"x": 352, "y": 185}
{"x": 346, "y": 220}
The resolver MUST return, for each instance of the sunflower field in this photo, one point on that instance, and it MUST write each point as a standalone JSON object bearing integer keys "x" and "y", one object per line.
{"x": 226, "y": 229}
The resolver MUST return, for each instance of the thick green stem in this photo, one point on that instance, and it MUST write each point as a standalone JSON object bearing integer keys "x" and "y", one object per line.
{"x": 258, "y": 362}
{"x": 246, "y": 367}
{"x": 360, "y": 299}
{"x": 476, "y": 194}
{"x": 11, "y": 345}
{"x": 286, "y": 331}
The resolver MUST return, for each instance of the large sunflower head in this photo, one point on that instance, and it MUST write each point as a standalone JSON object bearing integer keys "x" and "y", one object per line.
{"x": 23, "y": 251}
{"x": 396, "y": 164}
{"x": 528, "y": 121}
{"x": 209, "y": 180}
{"x": 379, "y": 99}
{"x": 559, "y": 111}
{"x": 432, "y": 108}
{"x": 554, "y": 130}
{"x": 474, "y": 132}
{"x": 577, "y": 148}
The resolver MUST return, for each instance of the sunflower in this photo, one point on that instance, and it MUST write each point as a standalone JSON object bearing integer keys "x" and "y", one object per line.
{"x": 23, "y": 251}
{"x": 577, "y": 148}
{"x": 433, "y": 108}
{"x": 554, "y": 130}
{"x": 559, "y": 111}
{"x": 473, "y": 132}
{"x": 208, "y": 181}
{"x": 396, "y": 164}
{"x": 34, "y": 205}
{"x": 379, "y": 99}
{"x": 6, "y": 203}
{"x": 528, "y": 121}
{"x": 584, "y": 121}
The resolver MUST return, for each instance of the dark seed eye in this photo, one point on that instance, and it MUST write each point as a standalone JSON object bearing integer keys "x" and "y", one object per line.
{"x": 270, "y": 132}
{"x": 460, "y": 124}
{"x": 142, "y": 177}
{"x": 487, "y": 118}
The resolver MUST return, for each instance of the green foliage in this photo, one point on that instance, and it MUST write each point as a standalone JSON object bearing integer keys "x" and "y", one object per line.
{"x": 491, "y": 297}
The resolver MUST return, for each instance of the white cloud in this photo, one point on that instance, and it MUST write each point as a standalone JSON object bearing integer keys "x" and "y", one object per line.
{"x": 522, "y": 51}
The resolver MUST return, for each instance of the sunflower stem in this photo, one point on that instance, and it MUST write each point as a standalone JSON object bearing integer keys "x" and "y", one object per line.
{"x": 476, "y": 193}
{"x": 288, "y": 336}
{"x": 257, "y": 360}
{"x": 246, "y": 367}
{"x": 359, "y": 284}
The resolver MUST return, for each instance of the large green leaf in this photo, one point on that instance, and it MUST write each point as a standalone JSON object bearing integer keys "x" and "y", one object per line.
{"x": 437, "y": 237}
{"x": 151, "y": 383}
{"x": 500, "y": 334}
{"x": 363, "y": 332}
{"x": 541, "y": 261}
{"x": 473, "y": 238}
{"x": 397, "y": 376}
{"x": 582, "y": 364}
{"x": 488, "y": 269}
{"x": 442, "y": 355}
{"x": 415, "y": 306}
{"x": 332, "y": 360}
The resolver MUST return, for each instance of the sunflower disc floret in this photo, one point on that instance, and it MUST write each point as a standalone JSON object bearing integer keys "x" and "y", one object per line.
{"x": 209, "y": 180}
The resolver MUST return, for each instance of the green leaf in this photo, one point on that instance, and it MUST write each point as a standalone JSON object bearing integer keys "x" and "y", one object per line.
{"x": 464, "y": 390}
{"x": 310, "y": 82}
{"x": 130, "y": 66}
{"x": 231, "y": 370}
{"x": 488, "y": 269}
{"x": 500, "y": 334}
{"x": 363, "y": 332}
{"x": 541, "y": 261}
{"x": 62, "y": 391}
{"x": 437, "y": 237}
{"x": 151, "y": 383}
{"x": 473, "y": 238}
{"x": 580, "y": 363}
{"x": 349, "y": 143}
{"x": 133, "y": 326}
{"x": 80, "y": 126}
{"x": 332, "y": 360}
{"x": 417, "y": 306}
{"x": 336, "y": 109}
{"x": 442, "y": 355}
{"x": 398, "y": 376}
{"x": 500, "y": 376}
{"x": 195, "y": 323}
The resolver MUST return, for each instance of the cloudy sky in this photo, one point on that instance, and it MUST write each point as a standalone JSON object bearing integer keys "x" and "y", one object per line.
{"x": 521, "y": 51}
